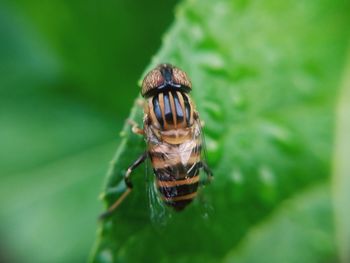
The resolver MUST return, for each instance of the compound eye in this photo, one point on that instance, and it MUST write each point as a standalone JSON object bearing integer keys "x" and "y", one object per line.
{"x": 180, "y": 77}
{"x": 152, "y": 80}
{"x": 165, "y": 75}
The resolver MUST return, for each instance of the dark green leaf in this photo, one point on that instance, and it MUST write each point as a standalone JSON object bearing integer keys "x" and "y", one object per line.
{"x": 101, "y": 46}
{"x": 63, "y": 65}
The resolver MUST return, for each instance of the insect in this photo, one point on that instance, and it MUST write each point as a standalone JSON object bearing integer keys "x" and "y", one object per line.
{"x": 172, "y": 130}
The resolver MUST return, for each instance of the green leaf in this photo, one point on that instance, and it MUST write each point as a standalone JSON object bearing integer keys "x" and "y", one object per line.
{"x": 341, "y": 168}
{"x": 300, "y": 230}
{"x": 63, "y": 66}
{"x": 264, "y": 79}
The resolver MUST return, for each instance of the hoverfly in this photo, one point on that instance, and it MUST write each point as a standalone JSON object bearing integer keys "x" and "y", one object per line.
{"x": 172, "y": 130}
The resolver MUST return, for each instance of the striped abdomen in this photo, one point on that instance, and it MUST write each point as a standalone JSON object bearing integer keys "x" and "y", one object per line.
{"x": 177, "y": 171}
{"x": 170, "y": 110}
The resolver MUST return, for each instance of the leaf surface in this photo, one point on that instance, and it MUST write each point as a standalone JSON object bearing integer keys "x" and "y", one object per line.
{"x": 265, "y": 78}
{"x": 300, "y": 230}
{"x": 341, "y": 168}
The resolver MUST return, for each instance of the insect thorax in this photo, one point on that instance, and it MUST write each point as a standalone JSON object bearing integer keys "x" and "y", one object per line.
{"x": 170, "y": 110}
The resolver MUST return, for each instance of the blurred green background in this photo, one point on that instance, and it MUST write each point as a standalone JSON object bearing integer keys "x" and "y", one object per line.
{"x": 68, "y": 76}
{"x": 271, "y": 82}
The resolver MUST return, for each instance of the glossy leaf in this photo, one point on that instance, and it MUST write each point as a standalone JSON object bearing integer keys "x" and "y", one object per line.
{"x": 264, "y": 76}
{"x": 300, "y": 230}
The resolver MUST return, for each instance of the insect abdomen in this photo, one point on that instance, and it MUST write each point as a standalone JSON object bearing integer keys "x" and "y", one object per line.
{"x": 178, "y": 193}
{"x": 177, "y": 181}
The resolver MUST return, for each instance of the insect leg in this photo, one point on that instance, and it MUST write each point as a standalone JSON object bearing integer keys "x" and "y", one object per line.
{"x": 135, "y": 127}
{"x": 140, "y": 103}
{"x": 209, "y": 173}
{"x": 128, "y": 183}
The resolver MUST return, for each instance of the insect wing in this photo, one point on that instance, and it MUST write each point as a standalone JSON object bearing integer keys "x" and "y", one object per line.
{"x": 159, "y": 212}
{"x": 205, "y": 203}
{"x": 179, "y": 175}
{"x": 204, "y": 154}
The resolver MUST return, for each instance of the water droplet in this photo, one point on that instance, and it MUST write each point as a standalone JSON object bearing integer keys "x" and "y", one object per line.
{"x": 237, "y": 100}
{"x": 211, "y": 144}
{"x": 236, "y": 177}
{"x": 122, "y": 134}
{"x": 211, "y": 60}
{"x": 279, "y": 133}
{"x": 197, "y": 32}
{"x": 221, "y": 8}
{"x": 106, "y": 256}
{"x": 266, "y": 175}
{"x": 213, "y": 109}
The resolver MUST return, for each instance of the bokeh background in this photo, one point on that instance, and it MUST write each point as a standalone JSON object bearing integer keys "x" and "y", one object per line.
{"x": 272, "y": 84}
{"x": 68, "y": 76}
